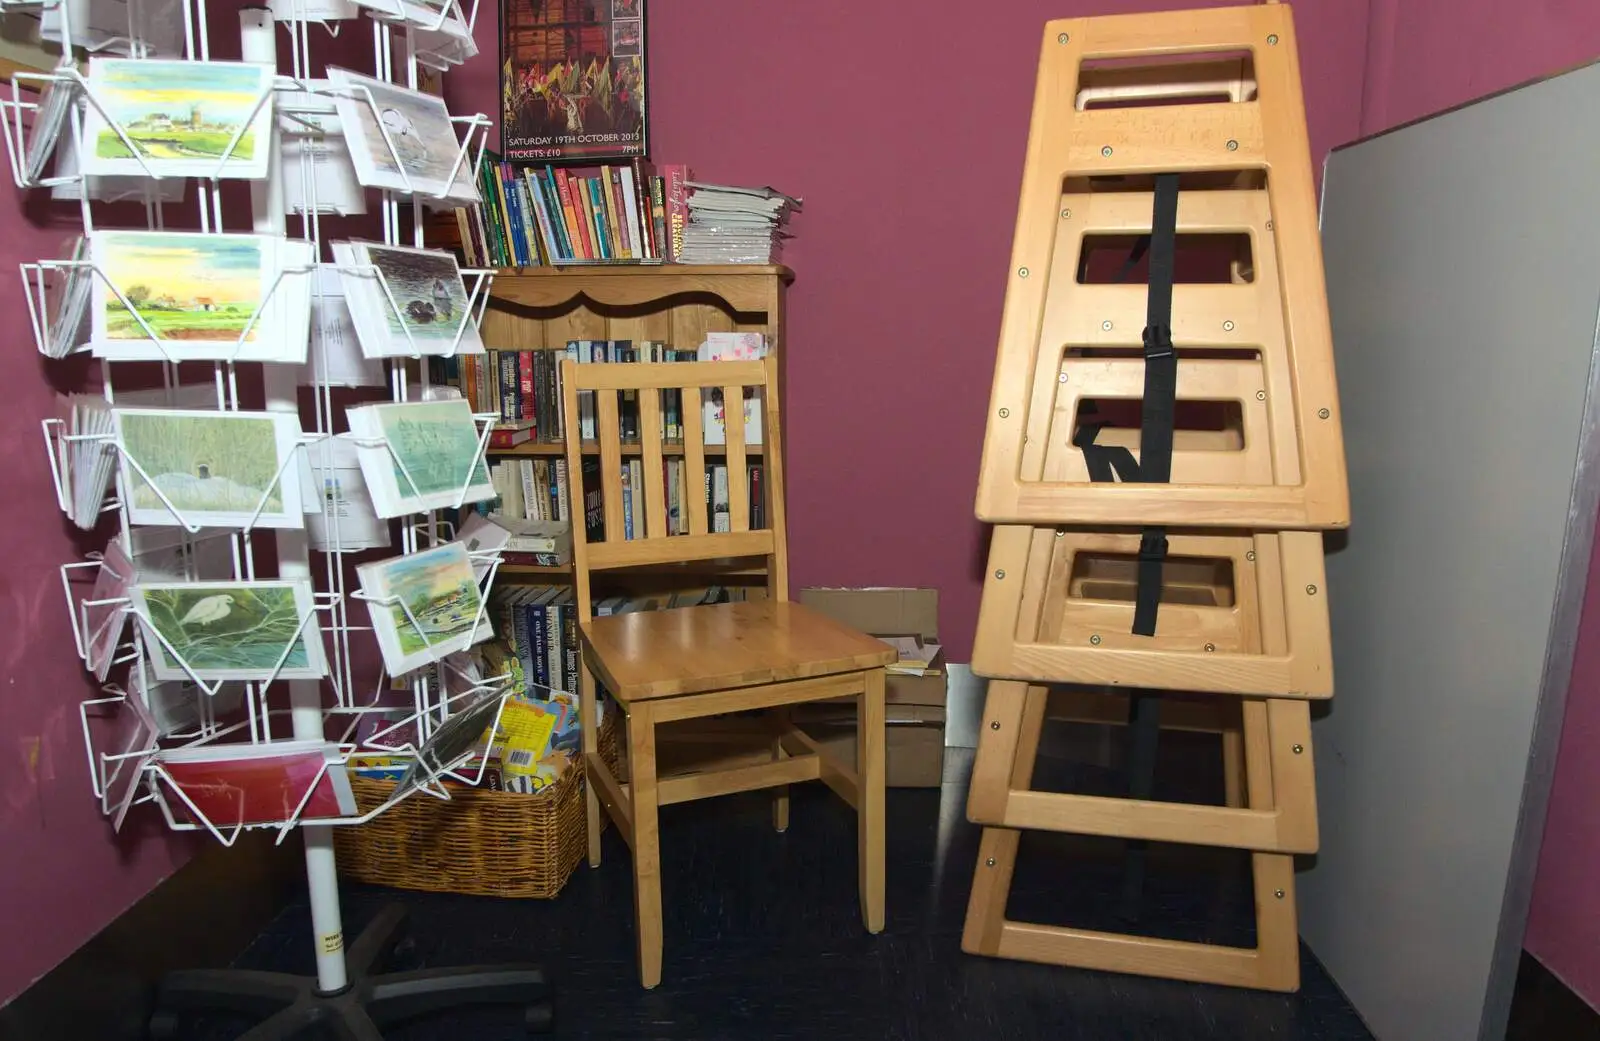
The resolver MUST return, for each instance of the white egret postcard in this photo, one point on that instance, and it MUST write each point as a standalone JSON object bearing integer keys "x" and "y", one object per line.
{"x": 178, "y": 118}
{"x": 211, "y": 469}
{"x": 230, "y": 630}
{"x": 424, "y": 606}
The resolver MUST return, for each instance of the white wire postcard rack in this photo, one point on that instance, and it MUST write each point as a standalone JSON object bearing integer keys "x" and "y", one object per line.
{"x": 424, "y": 605}
{"x": 210, "y": 469}
{"x": 57, "y": 293}
{"x": 120, "y": 747}
{"x": 99, "y": 620}
{"x": 420, "y": 456}
{"x": 411, "y": 302}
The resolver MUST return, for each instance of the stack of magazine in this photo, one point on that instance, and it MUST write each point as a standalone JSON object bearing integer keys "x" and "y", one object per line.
{"x": 729, "y": 225}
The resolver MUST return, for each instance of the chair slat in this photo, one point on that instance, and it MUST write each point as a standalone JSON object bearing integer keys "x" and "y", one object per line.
{"x": 610, "y": 434}
{"x": 677, "y": 374}
{"x": 738, "y": 484}
{"x": 655, "y": 475}
{"x": 694, "y": 459}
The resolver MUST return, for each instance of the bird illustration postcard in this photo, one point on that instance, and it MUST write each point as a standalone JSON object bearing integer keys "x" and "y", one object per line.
{"x": 178, "y": 118}
{"x": 419, "y": 305}
{"x": 206, "y": 631}
{"x": 424, "y": 606}
{"x": 402, "y": 139}
{"x": 209, "y": 469}
{"x": 186, "y": 296}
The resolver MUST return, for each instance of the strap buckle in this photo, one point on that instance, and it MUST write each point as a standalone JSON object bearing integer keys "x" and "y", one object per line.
{"x": 1157, "y": 342}
{"x": 1153, "y": 547}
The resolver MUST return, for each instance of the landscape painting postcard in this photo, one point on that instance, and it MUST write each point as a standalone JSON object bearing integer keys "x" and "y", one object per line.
{"x": 182, "y": 296}
{"x": 425, "y": 149}
{"x": 425, "y": 309}
{"x": 420, "y": 456}
{"x": 179, "y": 117}
{"x": 440, "y": 591}
{"x": 230, "y": 630}
{"x": 212, "y": 469}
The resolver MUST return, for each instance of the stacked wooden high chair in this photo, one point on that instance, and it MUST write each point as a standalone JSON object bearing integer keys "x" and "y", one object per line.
{"x": 1158, "y": 465}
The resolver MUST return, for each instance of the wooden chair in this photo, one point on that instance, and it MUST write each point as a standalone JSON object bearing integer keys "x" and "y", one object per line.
{"x": 692, "y": 662}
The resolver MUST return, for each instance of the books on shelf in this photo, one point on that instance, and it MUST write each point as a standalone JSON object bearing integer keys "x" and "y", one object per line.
{"x": 533, "y": 216}
{"x": 733, "y": 225}
{"x": 715, "y": 486}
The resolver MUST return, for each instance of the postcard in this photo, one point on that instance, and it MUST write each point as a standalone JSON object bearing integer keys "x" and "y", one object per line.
{"x": 64, "y": 307}
{"x": 446, "y": 17}
{"x": 317, "y": 168}
{"x": 122, "y": 746}
{"x": 376, "y": 114}
{"x": 105, "y": 613}
{"x": 232, "y": 786}
{"x": 440, "y": 590}
{"x": 181, "y": 118}
{"x": 420, "y": 456}
{"x": 335, "y": 355}
{"x": 213, "y": 469}
{"x": 346, "y": 518}
{"x": 182, "y": 296}
{"x": 230, "y": 630}
{"x": 418, "y": 307}
{"x": 177, "y": 706}
{"x": 455, "y": 739}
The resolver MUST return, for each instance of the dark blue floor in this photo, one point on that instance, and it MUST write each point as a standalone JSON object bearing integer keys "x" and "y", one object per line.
{"x": 764, "y": 938}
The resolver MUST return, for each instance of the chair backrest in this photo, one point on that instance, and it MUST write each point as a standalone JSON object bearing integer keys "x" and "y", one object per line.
{"x": 598, "y": 501}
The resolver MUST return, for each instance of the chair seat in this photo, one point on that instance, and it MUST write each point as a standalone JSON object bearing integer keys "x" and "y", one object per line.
{"x": 690, "y": 650}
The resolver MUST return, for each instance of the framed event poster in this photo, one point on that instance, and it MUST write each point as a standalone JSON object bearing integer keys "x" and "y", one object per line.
{"x": 572, "y": 80}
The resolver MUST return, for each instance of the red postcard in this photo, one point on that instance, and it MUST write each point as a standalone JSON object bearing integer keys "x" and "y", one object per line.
{"x": 232, "y": 785}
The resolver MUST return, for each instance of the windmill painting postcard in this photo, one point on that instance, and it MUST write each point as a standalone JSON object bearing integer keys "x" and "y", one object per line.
{"x": 442, "y": 608}
{"x": 260, "y": 630}
{"x": 178, "y": 118}
{"x": 402, "y": 139}
{"x": 572, "y": 80}
{"x": 209, "y": 469}
{"x": 419, "y": 456}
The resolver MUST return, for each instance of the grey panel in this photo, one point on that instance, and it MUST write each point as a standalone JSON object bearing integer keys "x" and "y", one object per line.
{"x": 1463, "y": 260}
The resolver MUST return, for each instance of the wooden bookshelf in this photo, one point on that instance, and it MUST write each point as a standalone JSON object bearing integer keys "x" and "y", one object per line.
{"x": 543, "y": 308}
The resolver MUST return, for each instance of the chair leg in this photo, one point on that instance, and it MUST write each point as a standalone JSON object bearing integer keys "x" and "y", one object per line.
{"x": 870, "y": 753}
{"x": 780, "y": 795}
{"x": 646, "y": 841}
{"x": 589, "y": 722}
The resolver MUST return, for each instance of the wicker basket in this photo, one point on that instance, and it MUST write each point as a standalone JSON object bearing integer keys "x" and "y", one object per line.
{"x": 480, "y": 842}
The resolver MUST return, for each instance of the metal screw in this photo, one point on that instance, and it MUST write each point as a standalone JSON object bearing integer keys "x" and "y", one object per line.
{"x": 989, "y": 862}
{"x": 1060, "y": 532}
{"x": 1106, "y": 151}
{"x": 1233, "y": 146}
{"x": 1000, "y": 573}
{"x": 1251, "y": 555}
{"x": 1061, "y": 378}
{"x": 1278, "y": 893}
{"x": 1066, "y": 214}
{"x": 1095, "y": 639}
{"x": 1297, "y": 749}
{"x": 994, "y": 724}
{"x": 1269, "y": 225}
{"x": 1022, "y": 272}
{"x": 1211, "y": 647}
{"x": 1063, "y": 38}
{"x": 1272, "y": 41}
{"x": 1106, "y": 325}
{"x": 1323, "y": 413}
{"x": 1005, "y": 413}
{"x": 1227, "y": 327}
{"x": 1311, "y": 590}
{"x": 1261, "y": 395}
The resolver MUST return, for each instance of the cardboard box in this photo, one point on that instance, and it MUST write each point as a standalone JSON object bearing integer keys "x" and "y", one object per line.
{"x": 891, "y": 611}
{"x": 915, "y": 704}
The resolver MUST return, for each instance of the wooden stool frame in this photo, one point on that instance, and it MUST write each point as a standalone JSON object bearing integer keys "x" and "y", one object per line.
{"x": 657, "y": 687}
{"x": 1266, "y": 133}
